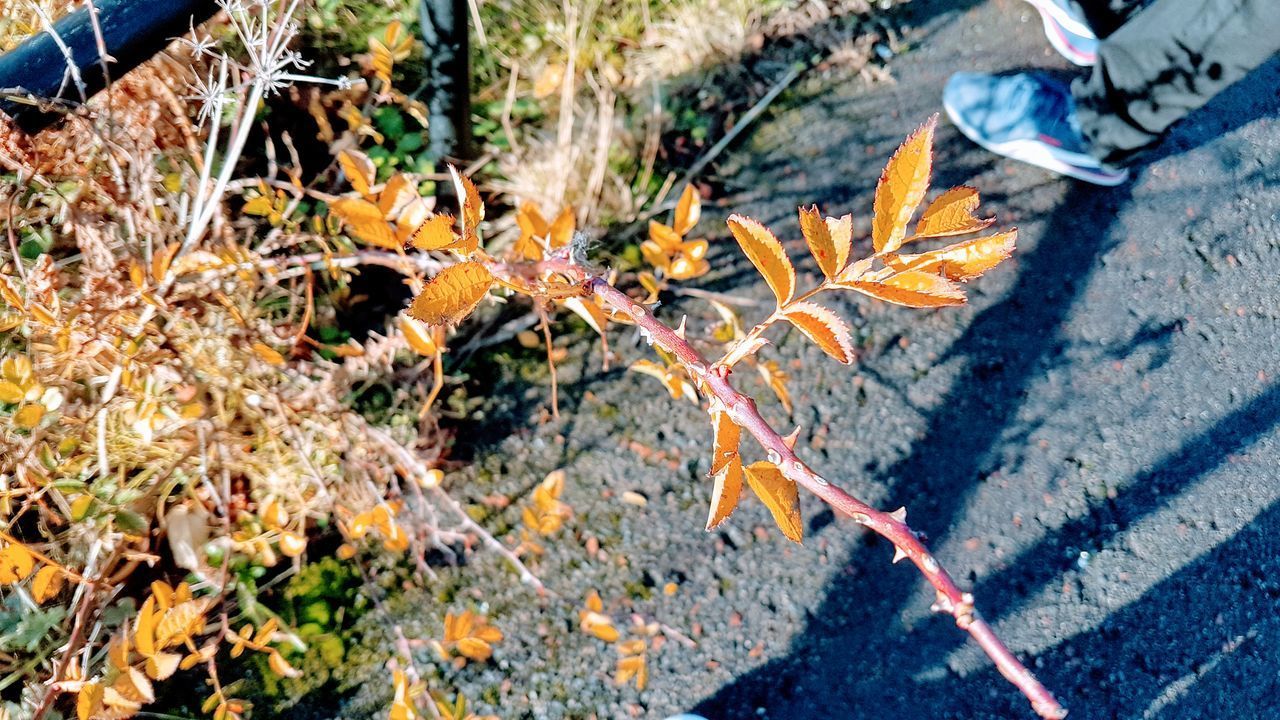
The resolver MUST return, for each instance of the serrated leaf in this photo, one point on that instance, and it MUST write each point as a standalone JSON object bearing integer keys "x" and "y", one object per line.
{"x": 688, "y": 210}
{"x": 901, "y": 188}
{"x": 452, "y": 294}
{"x": 727, "y": 438}
{"x": 359, "y": 169}
{"x": 951, "y": 213}
{"x": 766, "y": 253}
{"x": 963, "y": 261}
{"x": 780, "y": 495}
{"x": 365, "y": 221}
{"x": 181, "y": 622}
{"x": 829, "y": 240}
{"x": 726, "y": 492}
{"x": 471, "y": 207}
{"x": 913, "y": 288}
{"x": 16, "y": 563}
{"x": 435, "y": 233}
{"x": 161, "y": 665}
{"x": 824, "y": 328}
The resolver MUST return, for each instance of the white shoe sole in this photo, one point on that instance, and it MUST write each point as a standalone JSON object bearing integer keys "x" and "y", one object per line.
{"x": 1048, "y": 14}
{"x": 1037, "y": 153}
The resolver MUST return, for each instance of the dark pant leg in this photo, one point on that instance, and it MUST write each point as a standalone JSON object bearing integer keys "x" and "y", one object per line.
{"x": 1106, "y": 16}
{"x": 1168, "y": 60}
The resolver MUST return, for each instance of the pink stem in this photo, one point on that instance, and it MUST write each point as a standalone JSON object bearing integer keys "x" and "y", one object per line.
{"x": 742, "y": 409}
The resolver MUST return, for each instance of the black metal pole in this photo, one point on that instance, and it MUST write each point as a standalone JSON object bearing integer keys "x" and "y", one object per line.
{"x": 444, "y": 32}
{"x": 33, "y": 76}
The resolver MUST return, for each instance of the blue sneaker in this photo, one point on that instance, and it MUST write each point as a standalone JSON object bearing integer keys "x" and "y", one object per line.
{"x": 1029, "y": 117}
{"x": 1068, "y": 32}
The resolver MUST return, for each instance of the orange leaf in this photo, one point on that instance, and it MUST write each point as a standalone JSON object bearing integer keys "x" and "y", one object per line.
{"x": 964, "y": 260}
{"x": 268, "y": 354}
{"x": 688, "y": 210}
{"x": 727, "y": 435}
{"x": 435, "y": 233}
{"x": 592, "y": 313}
{"x": 951, "y": 213}
{"x": 726, "y": 492}
{"x": 358, "y": 168}
{"x": 366, "y": 221}
{"x": 46, "y": 583}
{"x": 776, "y": 378}
{"x": 472, "y": 208}
{"x": 16, "y": 563}
{"x": 780, "y": 495}
{"x": 913, "y": 288}
{"x": 397, "y": 194}
{"x": 451, "y": 295}
{"x": 766, "y": 253}
{"x": 475, "y": 649}
{"x": 561, "y": 231}
{"x": 824, "y": 328}
{"x": 829, "y": 240}
{"x": 665, "y": 236}
{"x": 901, "y": 188}
{"x": 418, "y": 336}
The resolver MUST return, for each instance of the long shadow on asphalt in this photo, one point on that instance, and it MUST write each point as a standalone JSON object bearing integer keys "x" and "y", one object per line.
{"x": 856, "y": 659}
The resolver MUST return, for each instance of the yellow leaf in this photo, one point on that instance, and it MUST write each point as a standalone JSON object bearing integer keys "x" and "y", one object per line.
{"x": 780, "y": 495}
{"x": 776, "y": 378}
{"x": 366, "y": 222}
{"x": 688, "y": 210}
{"x": 548, "y": 80}
{"x": 46, "y": 583}
{"x": 161, "y": 665}
{"x": 951, "y": 213}
{"x": 260, "y": 206}
{"x": 824, "y": 328}
{"x": 181, "y": 622}
{"x": 397, "y": 195}
{"x": 358, "y": 168}
{"x": 964, "y": 260}
{"x": 11, "y": 393}
{"x": 138, "y": 685}
{"x": 561, "y": 230}
{"x": 268, "y": 354}
{"x": 292, "y": 544}
{"x": 472, "y": 208}
{"x": 28, "y": 417}
{"x": 725, "y": 445}
{"x": 435, "y": 233}
{"x": 901, "y": 188}
{"x": 144, "y": 630}
{"x": 913, "y": 288}
{"x": 280, "y": 666}
{"x": 16, "y": 563}
{"x": 766, "y": 253}
{"x": 592, "y": 313}
{"x": 829, "y": 240}
{"x": 666, "y": 238}
{"x": 475, "y": 649}
{"x": 726, "y": 492}
{"x": 451, "y": 295}
{"x": 418, "y": 336}
{"x": 9, "y": 293}
{"x": 88, "y": 700}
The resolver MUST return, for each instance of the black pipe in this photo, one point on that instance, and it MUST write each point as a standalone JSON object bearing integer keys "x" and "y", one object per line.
{"x": 132, "y": 31}
{"x": 444, "y": 32}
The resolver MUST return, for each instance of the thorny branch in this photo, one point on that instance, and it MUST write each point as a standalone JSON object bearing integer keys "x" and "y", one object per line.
{"x": 950, "y": 599}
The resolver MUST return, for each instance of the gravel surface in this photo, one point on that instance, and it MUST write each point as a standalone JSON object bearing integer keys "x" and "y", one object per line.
{"x": 1091, "y": 445}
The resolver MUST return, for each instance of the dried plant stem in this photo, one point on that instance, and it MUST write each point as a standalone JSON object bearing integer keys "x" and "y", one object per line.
{"x": 742, "y": 409}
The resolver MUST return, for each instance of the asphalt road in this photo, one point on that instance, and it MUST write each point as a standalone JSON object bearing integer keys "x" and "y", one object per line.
{"x": 1091, "y": 445}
